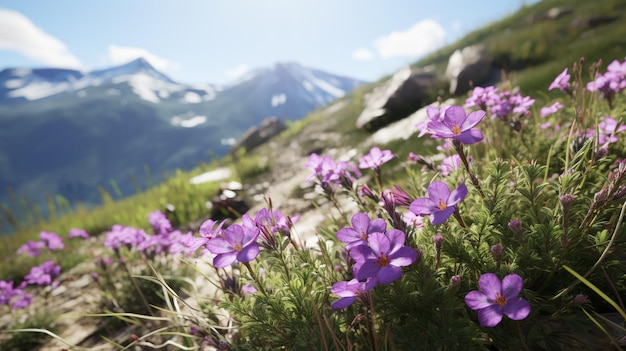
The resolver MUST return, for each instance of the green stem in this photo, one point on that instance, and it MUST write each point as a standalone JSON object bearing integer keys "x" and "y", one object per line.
{"x": 459, "y": 149}
{"x": 255, "y": 278}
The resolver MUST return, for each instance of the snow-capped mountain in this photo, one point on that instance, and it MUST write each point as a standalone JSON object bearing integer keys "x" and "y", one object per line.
{"x": 67, "y": 132}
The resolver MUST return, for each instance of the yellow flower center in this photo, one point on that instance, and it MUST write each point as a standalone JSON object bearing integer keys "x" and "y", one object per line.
{"x": 363, "y": 235}
{"x": 383, "y": 260}
{"x": 442, "y": 205}
{"x": 500, "y": 300}
{"x": 456, "y": 130}
{"x": 237, "y": 247}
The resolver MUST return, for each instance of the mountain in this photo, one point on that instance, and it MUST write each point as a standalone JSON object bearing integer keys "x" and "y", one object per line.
{"x": 67, "y": 132}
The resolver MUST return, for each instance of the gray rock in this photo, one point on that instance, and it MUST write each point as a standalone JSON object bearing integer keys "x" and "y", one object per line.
{"x": 588, "y": 22}
{"x": 468, "y": 68}
{"x": 404, "y": 93}
{"x": 257, "y": 135}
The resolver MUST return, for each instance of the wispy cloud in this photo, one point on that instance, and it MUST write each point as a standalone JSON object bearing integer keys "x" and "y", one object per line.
{"x": 237, "y": 72}
{"x": 422, "y": 38}
{"x": 362, "y": 54}
{"x": 123, "y": 54}
{"x": 20, "y": 34}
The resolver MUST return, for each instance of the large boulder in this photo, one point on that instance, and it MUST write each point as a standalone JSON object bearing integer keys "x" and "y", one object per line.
{"x": 467, "y": 68}
{"x": 257, "y": 135}
{"x": 404, "y": 93}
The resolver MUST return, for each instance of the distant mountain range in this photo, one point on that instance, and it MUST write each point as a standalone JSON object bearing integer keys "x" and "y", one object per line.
{"x": 67, "y": 132}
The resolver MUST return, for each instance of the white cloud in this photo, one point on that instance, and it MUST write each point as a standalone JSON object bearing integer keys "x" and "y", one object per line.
{"x": 237, "y": 72}
{"x": 124, "y": 54}
{"x": 20, "y": 34}
{"x": 362, "y": 54}
{"x": 422, "y": 38}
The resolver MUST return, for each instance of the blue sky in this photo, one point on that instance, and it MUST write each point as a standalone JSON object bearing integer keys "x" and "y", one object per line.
{"x": 214, "y": 41}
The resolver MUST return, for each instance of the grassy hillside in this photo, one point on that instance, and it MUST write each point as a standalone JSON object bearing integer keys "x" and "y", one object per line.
{"x": 532, "y": 53}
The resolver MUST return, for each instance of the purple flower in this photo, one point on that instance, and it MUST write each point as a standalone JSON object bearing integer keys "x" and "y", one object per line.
{"x": 561, "y": 82}
{"x": 457, "y": 125}
{"x": 43, "y": 274}
{"x": 375, "y": 158}
{"x": 77, "y": 233}
{"x": 52, "y": 240}
{"x": 248, "y": 289}
{"x": 6, "y": 292}
{"x": 31, "y": 248}
{"x": 327, "y": 171}
{"x": 124, "y": 236}
{"x": 383, "y": 257}
{"x": 496, "y": 299}
{"x": 482, "y": 97}
{"x": 348, "y": 291}
{"x": 208, "y": 229}
{"x": 237, "y": 244}
{"x": 23, "y": 300}
{"x": 440, "y": 203}
{"x": 361, "y": 228}
{"x": 548, "y": 110}
{"x": 450, "y": 164}
{"x": 610, "y": 83}
{"x": 159, "y": 222}
{"x": 412, "y": 219}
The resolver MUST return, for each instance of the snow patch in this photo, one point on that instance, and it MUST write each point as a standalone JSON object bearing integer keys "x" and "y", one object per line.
{"x": 212, "y": 176}
{"x": 194, "y": 121}
{"x": 38, "y": 90}
{"x": 308, "y": 85}
{"x": 21, "y": 72}
{"x": 279, "y": 99}
{"x": 327, "y": 87}
{"x": 13, "y": 83}
{"x": 147, "y": 86}
{"x": 192, "y": 98}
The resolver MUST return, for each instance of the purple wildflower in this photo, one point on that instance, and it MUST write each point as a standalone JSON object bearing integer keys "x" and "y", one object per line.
{"x": 124, "y": 236}
{"x": 23, "y": 300}
{"x": 496, "y": 299}
{"x": 610, "y": 83}
{"x": 31, "y": 248}
{"x": 6, "y": 292}
{"x": 413, "y": 220}
{"x": 361, "y": 228}
{"x": 159, "y": 222}
{"x": 383, "y": 257}
{"x": 450, "y": 164}
{"x": 482, "y": 97}
{"x": 375, "y": 158}
{"x": 78, "y": 233}
{"x": 435, "y": 114}
{"x": 348, "y": 291}
{"x": 548, "y": 110}
{"x": 237, "y": 244}
{"x": 208, "y": 229}
{"x": 248, "y": 289}
{"x": 43, "y": 274}
{"x": 561, "y": 82}
{"x": 51, "y": 240}
{"x": 440, "y": 203}
{"x": 326, "y": 171}
{"x": 457, "y": 125}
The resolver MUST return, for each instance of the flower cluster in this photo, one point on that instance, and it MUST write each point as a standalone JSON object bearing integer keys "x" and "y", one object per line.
{"x": 506, "y": 105}
{"x": 49, "y": 240}
{"x": 20, "y": 299}
{"x": 43, "y": 274}
{"x": 612, "y": 82}
{"x": 328, "y": 172}
{"x": 378, "y": 254}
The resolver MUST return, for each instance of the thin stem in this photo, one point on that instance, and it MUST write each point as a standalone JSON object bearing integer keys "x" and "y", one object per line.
{"x": 459, "y": 149}
{"x": 372, "y": 320}
{"x": 255, "y": 278}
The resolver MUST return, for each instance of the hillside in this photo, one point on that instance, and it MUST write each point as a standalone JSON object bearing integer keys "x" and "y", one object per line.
{"x": 527, "y": 46}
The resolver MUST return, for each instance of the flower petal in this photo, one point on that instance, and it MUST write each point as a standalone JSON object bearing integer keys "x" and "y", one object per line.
{"x": 422, "y": 206}
{"x": 470, "y": 136}
{"x": 377, "y": 225}
{"x": 490, "y": 316}
{"x": 438, "y": 191}
{"x": 379, "y": 243}
{"x": 490, "y": 285}
{"x": 343, "y": 302}
{"x": 403, "y": 257}
{"x": 516, "y": 308}
{"x": 472, "y": 119}
{"x": 348, "y": 235}
{"x": 224, "y": 259}
{"x": 219, "y": 245}
{"x": 234, "y": 234}
{"x": 389, "y": 274}
{"x": 511, "y": 286}
{"x": 360, "y": 222}
{"x": 396, "y": 239}
{"x": 248, "y": 253}
{"x": 369, "y": 269}
{"x": 457, "y": 195}
{"x": 454, "y": 115}
{"x": 476, "y": 300}
{"x": 439, "y": 217}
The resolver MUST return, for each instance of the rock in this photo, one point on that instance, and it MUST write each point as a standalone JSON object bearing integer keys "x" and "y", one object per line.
{"x": 257, "y": 135}
{"x": 401, "y": 95}
{"x": 588, "y": 22}
{"x": 468, "y": 68}
{"x": 552, "y": 14}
